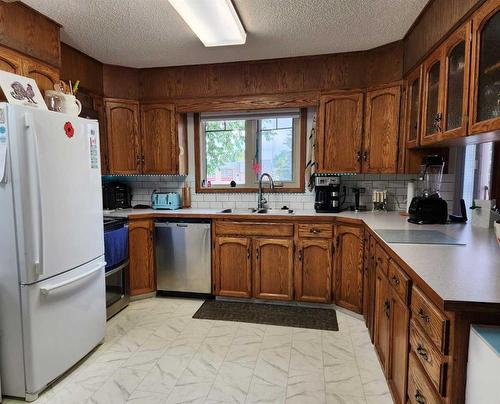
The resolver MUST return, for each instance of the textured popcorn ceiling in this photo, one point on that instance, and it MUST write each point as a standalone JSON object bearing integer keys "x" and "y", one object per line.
{"x": 147, "y": 33}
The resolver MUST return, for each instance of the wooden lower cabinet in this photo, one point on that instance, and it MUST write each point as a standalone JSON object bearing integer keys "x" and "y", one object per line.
{"x": 382, "y": 332}
{"x": 398, "y": 364}
{"x": 142, "y": 274}
{"x": 313, "y": 270}
{"x": 233, "y": 266}
{"x": 273, "y": 268}
{"x": 349, "y": 267}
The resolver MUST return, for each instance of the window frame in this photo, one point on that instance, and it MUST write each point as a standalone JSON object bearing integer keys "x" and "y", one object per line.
{"x": 300, "y": 141}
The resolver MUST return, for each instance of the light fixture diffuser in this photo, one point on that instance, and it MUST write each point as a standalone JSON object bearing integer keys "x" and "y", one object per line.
{"x": 215, "y": 22}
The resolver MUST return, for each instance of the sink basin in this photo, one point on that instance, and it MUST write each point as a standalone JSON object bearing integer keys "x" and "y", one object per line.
{"x": 260, "y": 211}
{"x": 239, "y": 211}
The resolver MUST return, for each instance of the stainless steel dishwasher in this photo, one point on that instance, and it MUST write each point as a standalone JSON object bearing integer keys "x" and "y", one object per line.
{"x": 182, "y": 248}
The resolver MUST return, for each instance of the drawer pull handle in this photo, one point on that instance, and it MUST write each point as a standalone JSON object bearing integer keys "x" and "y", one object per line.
{"x": 419, "y": 398}
{"x": 300, "y": 254}
{"x": 248, "y": 253}
{"x": 314, "y": 231}
{"x": 423, "y": 316}
{"x": 257, "y": 253}
{"x": 387, "y": 308}
{"x": 395, "y": 280}
{"x": 423, "y": 352}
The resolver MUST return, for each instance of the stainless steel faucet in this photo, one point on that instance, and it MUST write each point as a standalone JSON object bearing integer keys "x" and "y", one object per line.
{"x": 261, "y": 201}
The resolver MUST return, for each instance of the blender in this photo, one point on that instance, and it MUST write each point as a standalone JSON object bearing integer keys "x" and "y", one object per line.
{"x": 429, "y": 207}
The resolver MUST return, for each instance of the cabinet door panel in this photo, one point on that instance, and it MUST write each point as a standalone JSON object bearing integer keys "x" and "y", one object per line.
{"x": 381, "y": 138}
{"x": 432, "y": 114}
{"x": 142, "y": 277}
{"x": 233, "y": 267}
{"x": 382, "y": 320}
{"x": 123, "y": 137}
{"x": 400, "y": 317}
{"x": 413, "y": 104}
{"x": 349, "y": 267}
{"x": 313, "y": 270}
{"x": 340, "y": 133}
{"x": 159, "y": 145}
{"x": 273, "y": 269}
{"x": 44, "y": 76}
{"x": 10, "y": 61}
{"x": 485, "y": 77}
{"x": 98, "y": 104}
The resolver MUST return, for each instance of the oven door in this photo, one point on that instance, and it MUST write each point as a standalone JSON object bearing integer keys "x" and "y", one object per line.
{"x": 116, "y": 289}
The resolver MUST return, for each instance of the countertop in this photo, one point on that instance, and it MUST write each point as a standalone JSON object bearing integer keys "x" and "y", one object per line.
{"x": 458, "y": 274}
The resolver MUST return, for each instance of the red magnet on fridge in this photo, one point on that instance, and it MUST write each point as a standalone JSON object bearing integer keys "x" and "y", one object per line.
{"x": 68, "y": 128}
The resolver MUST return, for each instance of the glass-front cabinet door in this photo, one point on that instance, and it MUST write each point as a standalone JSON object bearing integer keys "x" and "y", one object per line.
{"x": 456, "y": 54}
{"x": 485, "y": 74}
{"x": 412, "y": 117}
{"x": 432, "y": 113}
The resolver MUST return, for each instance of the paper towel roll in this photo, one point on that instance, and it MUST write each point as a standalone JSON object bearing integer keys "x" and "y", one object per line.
{"x": 410, "y": 193}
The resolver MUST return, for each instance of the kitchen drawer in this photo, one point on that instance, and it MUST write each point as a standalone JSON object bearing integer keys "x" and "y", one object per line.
{"x": 381, "y": 259}
{"x": 399, "y": 281}
{"x": 420, "y": 389}
{"x": 431, "y": 319}
{"x": 254, "y": 229}
{"x": 315, "y": 230}
{"x": 429, "y": 357}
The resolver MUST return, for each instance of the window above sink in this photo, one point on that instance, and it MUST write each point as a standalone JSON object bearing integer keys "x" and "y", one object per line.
{"x": 234, "y": 148}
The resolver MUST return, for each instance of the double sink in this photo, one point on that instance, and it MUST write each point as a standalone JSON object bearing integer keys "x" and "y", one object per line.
{"x": 258, "y": 211}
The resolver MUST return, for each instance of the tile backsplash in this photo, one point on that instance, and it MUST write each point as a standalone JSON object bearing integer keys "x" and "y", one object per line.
{"x": 395, "y": 184}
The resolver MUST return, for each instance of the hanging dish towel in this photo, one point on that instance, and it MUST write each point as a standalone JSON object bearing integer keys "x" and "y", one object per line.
{"x": 310, "y": 163}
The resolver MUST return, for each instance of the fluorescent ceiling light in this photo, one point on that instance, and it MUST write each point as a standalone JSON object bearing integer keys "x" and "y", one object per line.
{"x": 215, "y": 22}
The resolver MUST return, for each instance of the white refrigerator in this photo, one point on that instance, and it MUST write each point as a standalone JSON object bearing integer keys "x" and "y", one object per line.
{"x": 52, "y": 289}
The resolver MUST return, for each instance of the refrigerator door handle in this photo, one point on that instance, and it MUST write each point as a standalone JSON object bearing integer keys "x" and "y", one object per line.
{"x": 46, "y": 290}
{"x": 36, "y": 202}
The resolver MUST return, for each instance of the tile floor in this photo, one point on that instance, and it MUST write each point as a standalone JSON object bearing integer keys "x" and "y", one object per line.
{"x": 155, "y": 353}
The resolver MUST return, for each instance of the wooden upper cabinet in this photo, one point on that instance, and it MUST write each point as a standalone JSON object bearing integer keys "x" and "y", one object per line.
{"x": 98, "y": 105}
{"x": 159, "y": 139}
{"x": 10, "y": 61}
{"x": 45, "y": 76}
{"x": 142, "y": 278}
{"x": 432, "y": 113}
{"x": 381, "y": 135}
{"x": 349, "y": 267}
{"x": 485, "y": 69}
{"x": 233, "y": 266}
{"x": 313, "y": 270}
{"x": 456, "y": 57}
{"x": 122, "y": 120}
{"x": 340, "y": 126}
{"x": 273, "y": 269}
{"x": 413, "y": 108}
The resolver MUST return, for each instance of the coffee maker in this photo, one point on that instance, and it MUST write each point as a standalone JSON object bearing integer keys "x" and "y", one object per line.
{"x": 429, "y": 208}
{"x": 327, "y": 188}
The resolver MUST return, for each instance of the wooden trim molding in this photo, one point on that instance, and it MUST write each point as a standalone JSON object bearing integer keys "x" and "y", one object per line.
{"x": 302, "y": 162}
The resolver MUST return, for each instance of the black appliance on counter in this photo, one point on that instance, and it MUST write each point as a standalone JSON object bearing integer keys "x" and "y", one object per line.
{"x": 116, "y": 195}
{"x": 429, "y": 208}
{"x": 328, "y": 195}
{"x": 117, "y": 264}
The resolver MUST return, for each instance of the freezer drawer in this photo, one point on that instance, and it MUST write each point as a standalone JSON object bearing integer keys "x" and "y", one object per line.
{"x": 182, "y": 249}
{"x": 64, "y": 318}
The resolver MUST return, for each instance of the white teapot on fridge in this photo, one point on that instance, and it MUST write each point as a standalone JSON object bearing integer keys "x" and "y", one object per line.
{"x": 70, "y": 104}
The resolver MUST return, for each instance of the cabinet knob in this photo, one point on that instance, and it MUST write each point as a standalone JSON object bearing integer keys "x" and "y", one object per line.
{"x": 300, "y": 254}
{"x": 387, "y": 308}
{"x": 248, "y": 253}
{"x": 314, "y": 231}
{"x": 358, "y": 156}
{"x": 365, "y": 155}
{"x": 257, "y": 253}
{"x": 421, "y": 313}
{"x": 422, "y": 352}
{"x": 419, "y": 398}
{"x": 395, "y": 280}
